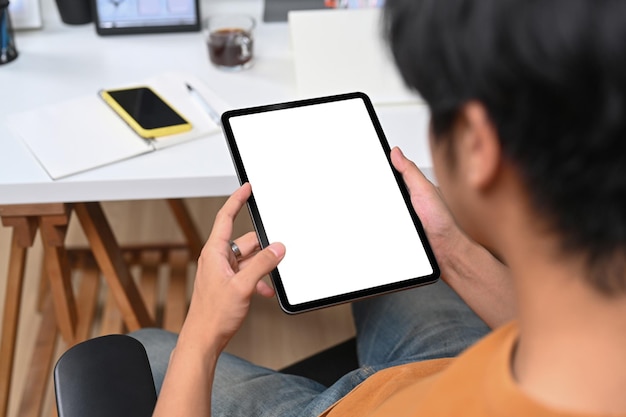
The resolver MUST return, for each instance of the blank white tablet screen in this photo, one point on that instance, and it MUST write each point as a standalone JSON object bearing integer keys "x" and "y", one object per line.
{"x": 324, "y": 188}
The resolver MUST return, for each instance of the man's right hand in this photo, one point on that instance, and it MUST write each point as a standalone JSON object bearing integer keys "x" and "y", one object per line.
{"x": 479, "y": 278}
{"x": 442, "y": 231}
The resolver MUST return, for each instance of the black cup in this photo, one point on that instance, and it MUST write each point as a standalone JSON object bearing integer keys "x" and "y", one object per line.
{"x": 75, "y": 12}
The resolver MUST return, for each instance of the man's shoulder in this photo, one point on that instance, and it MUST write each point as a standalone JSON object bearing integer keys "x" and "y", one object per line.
{"x": 469, "y": 381}
{"x": 449, "y": 386}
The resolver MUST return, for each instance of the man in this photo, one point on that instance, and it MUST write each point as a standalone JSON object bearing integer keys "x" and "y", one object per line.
{"x": 528, "y": 138}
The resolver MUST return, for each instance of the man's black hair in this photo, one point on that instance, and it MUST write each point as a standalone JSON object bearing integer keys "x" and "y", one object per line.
{"x": 552, "y": 76}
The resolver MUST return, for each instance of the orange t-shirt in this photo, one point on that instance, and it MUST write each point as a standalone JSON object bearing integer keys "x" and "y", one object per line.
{"x": 476, "y": 383}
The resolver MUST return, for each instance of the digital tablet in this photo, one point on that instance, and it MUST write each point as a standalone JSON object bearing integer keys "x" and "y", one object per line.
{"x": 323, "y": 185}
{"x": 118, "y": 17}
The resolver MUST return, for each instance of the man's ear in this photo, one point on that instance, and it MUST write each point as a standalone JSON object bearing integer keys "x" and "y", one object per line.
{"x": 479, "y": 151}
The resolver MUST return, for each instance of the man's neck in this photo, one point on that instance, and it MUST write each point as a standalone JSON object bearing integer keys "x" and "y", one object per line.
{"x": 572, "y": 339}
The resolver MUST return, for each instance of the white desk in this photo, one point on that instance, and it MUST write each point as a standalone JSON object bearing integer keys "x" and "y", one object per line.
{"x": 62, "y": 62}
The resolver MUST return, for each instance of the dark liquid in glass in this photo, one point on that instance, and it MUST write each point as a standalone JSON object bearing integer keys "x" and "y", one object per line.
{"x": 230, "y": 47}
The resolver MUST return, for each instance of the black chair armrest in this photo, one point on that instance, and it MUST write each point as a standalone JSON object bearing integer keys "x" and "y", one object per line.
{"x": 105, "y": 377}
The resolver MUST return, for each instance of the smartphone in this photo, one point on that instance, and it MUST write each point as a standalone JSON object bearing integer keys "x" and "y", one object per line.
{"x": 145, "y": 112}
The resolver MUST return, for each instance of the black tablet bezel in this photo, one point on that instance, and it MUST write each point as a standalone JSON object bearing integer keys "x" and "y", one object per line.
{"x": 260, "y": 229}
{"x": 129, "y": 30}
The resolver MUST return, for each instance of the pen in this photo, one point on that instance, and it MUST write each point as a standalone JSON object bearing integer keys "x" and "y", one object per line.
{"x": 203, "y": 103}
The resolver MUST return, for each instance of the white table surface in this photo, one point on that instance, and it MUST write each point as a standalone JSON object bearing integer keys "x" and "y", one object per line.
{"x": 61, "y": 62}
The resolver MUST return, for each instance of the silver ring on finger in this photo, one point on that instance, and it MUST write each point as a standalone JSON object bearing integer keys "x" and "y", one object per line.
{"x": 235, "y": 249}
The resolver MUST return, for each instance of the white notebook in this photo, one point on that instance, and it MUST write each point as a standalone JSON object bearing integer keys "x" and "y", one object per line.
{"x": 341, "y": 51}
{"x": 84, "y": 133}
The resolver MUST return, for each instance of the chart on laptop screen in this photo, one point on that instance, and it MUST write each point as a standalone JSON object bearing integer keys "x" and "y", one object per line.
{"x": 133, "y": 13}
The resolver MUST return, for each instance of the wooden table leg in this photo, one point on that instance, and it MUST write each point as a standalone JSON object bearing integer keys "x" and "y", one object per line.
{"x": 53, "y": 231}
{"x": 112, "y": 264}
{"x": 24, "y": 229}
{"x": 52, "y": 220}
{"x": 186, "y": 224}
{"x": 42, "y": 358}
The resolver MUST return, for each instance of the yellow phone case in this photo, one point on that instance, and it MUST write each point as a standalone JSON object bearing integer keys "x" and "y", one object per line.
{"x": 144, "y": 133}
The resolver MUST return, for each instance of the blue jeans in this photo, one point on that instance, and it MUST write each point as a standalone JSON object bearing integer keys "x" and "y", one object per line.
{"x": 408, "y": 326}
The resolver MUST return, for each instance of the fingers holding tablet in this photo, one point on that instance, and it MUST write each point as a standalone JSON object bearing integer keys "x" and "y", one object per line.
{"x": 224, "y": 285}
{"x": 300, "y": 156}
{"x": 245, "y": 247}
{"x": 223, "y": 225}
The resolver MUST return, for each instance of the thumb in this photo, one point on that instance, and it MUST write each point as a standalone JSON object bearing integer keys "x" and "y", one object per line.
{"x": 412, "y": 176}
{"x": 263, "y": 263}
